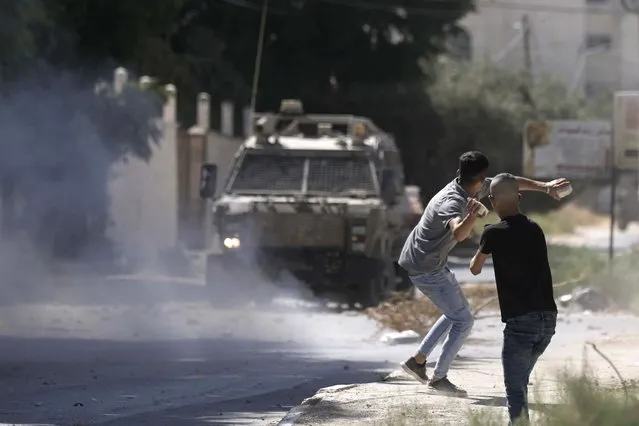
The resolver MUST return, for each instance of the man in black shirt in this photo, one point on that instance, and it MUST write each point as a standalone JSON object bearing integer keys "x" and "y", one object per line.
{"x": 524, "y": 287}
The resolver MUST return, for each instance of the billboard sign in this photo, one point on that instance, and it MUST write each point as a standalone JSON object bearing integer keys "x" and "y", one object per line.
{"x": 567, "y": 148}
{"x": 626, "y": 122}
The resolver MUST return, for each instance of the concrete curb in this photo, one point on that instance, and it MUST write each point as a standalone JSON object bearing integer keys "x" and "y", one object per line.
{"x": 397, "y": 375}
{"x": 296, "y": 412}
{"x": 482, "y": 374}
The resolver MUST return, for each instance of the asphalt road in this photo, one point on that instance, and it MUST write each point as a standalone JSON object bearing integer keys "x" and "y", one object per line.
{"x": 156, "y": 353}
{"x": 140, "y": 353}
{"x": 136, "y": 353}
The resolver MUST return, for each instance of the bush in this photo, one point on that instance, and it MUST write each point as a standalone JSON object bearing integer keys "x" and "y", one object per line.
{"x": 621, "y": 285}
{"x": 582, "y": 402}
{"x": 588, "y": 267}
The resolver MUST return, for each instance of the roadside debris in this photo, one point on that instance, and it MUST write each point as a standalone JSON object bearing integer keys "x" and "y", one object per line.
{"x": 402, "y": 313}
{"x": 585, "y": 298}
{"x": 399, "y": 338}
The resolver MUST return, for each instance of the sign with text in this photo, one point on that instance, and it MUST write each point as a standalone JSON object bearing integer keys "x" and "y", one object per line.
{"x": 567, "y": 148}
{"x": 626, "y": 119}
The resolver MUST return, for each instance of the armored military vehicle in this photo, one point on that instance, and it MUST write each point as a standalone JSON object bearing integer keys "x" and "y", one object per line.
{"x": 320, "y": 197}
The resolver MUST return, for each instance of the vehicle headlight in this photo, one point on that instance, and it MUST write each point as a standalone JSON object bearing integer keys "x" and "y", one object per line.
{"x": 231, "y": 242}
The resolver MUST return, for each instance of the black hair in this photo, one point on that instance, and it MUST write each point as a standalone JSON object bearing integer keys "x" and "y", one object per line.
{"x": 472, "y": 166}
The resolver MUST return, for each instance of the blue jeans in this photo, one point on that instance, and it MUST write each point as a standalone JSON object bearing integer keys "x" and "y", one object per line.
{"x": 442, "y": 288}
{"x": 526, "y": 337}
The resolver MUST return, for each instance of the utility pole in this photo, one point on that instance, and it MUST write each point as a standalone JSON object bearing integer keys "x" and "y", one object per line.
{"x": 525, "y": 27}
{"x": 258, "y": 57}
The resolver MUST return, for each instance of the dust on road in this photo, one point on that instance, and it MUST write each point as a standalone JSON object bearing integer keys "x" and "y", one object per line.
{"x": 141, "y": 353}
{"x": 95, "y": 352}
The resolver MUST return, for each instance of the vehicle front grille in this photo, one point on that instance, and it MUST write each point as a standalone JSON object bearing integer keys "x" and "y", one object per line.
{"x": 281, "y": 173}
{"x": 297, "y": 230}
{"x": 339, "y": 174}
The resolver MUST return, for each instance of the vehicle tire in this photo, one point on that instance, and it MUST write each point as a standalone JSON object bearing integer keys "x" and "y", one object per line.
{"x": 371, "y": 292}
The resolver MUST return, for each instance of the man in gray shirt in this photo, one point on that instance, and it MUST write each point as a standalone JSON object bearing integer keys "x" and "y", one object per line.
{"x": 448, "y": 219}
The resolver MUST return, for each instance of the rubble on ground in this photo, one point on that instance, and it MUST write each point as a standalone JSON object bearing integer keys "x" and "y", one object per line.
{"x": 402, "y": 313}
{"x": 399, "y": 338}
{"x": 585, "y": 298}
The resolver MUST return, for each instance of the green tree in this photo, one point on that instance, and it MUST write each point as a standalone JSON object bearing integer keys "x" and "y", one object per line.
{"x": 22, "y": 24}
{"x": 336, "y": 55}
{"x": 60, "y": 140}
{"x": 332, "y": 54}
{"x": 60, "y": 135}
{"x": 484, "y": 107}
{"x": 164, "y": 40}
{"x": 342, "y": 57}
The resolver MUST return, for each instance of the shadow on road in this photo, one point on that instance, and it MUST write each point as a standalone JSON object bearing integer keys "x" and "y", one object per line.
{"x": 155, "y": 382}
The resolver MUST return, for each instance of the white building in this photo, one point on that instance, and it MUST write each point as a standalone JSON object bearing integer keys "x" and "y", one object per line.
{"x": 589, "y": 44}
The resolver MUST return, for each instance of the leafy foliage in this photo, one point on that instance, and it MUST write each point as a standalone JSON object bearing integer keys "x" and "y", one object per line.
{"x": 125, "y": 119}
{"x": 60, "y": 139}
{"x": 484, "y": 107}
{"x": 370, "y": 58}
{"x": 581, "y": 401}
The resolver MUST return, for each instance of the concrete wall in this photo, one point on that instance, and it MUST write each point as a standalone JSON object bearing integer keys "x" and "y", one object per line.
{"x": 555, "y": 41}
{"x": 155, "y": 205}
{"x": 144, "y": 195}
{"x": 144, "y": 202}
{"x": 558, "y": 33}
{"x": 630, "y": 52}
{"x": 221, "y": 152}
{"x": 201, "y": 145}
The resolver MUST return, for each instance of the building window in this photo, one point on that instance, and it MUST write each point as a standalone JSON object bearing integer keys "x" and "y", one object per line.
{"x": 598, "y": 41}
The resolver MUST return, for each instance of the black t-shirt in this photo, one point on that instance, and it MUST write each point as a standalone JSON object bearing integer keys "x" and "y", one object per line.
{"x": 520, "y": 261}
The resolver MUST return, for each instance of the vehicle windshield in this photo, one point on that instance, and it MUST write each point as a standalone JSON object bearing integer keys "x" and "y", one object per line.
{"x": 286, "y": 174}
{"x": 269, "y": 172}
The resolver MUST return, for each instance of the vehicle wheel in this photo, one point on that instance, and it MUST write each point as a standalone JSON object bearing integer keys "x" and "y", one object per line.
{"x": 371, "y": 292}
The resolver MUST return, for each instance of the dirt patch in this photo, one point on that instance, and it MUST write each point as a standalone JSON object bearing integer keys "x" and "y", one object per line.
{"x": 401, "y": 313}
